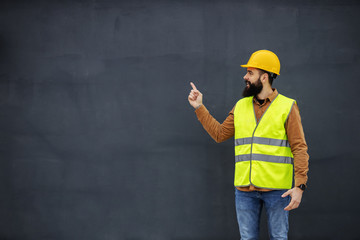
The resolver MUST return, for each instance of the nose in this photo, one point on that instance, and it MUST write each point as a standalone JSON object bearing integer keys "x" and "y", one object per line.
{"x": 245, "y": 77}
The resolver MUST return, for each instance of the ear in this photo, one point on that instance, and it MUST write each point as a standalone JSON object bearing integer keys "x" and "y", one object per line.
{"x": 264, "y": 77}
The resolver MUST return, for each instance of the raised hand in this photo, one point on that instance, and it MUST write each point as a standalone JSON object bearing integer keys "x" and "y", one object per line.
{"x": 195, "y": 96}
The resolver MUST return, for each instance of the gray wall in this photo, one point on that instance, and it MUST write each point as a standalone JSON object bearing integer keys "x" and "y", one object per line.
{"x": 98, "y": 141}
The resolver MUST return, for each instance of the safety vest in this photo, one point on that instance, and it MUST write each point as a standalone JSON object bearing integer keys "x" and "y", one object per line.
{"x": 263, "y": 156}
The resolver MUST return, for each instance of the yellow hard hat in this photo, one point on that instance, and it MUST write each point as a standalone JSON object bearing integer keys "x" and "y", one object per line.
{"x": 265, "y": 60}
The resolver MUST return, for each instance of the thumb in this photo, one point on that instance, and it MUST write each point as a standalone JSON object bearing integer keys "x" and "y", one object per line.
{"x": 286, "y": 193}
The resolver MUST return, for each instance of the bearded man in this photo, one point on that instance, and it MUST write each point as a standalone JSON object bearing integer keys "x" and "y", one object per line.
{"x": 269, "y": 147}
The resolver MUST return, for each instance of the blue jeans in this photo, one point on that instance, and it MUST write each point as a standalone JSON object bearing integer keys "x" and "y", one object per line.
{"x": 248, "y": 211}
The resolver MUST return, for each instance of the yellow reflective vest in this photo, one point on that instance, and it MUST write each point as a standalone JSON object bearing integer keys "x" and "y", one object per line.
{"x": 263, "y": 156}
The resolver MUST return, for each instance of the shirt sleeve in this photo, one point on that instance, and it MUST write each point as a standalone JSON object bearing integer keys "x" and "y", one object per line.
{"x": 296, "y": 137}
{"x": 219, "y": 132}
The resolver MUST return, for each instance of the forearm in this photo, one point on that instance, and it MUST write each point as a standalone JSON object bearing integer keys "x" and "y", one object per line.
{"x": 219, "y": 132}
{"x": 301, "y": 163}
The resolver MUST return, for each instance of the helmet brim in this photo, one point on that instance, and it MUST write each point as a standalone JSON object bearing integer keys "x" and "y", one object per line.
{"x": 247, "y": 66}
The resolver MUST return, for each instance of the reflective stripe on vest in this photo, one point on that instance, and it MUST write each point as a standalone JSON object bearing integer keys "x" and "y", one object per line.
{"x": 265, "y": 158}
{"x": 263, "y": 155}
{"x": 260, "y": 140}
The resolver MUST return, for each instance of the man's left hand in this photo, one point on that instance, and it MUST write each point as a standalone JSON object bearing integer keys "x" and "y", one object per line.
{"x": 296, "y": 195}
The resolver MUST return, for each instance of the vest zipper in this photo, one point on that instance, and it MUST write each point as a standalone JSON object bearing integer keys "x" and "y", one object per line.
{"x": 252, "y": 142}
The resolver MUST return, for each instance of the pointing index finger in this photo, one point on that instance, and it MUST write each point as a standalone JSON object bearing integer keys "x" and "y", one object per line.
{"x": 193, "y": 86}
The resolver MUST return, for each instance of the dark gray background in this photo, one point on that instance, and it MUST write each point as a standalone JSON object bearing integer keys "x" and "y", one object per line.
{"x": 98, "y": 141}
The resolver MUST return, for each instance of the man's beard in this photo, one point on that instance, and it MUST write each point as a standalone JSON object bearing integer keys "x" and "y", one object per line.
{"x": 253, "y": 90}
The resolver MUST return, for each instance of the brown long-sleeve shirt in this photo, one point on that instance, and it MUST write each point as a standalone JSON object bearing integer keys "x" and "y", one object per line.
{"x": 221, "y": 132}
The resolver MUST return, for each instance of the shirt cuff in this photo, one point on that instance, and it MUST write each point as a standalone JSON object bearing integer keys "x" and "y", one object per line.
{"x": 201, "y": 111}
{"x": 299, "y": 181}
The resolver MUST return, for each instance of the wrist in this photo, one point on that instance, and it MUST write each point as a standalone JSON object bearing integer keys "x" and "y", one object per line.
{"x": 302, "y": 187}
{"x": 196, "y": 107}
